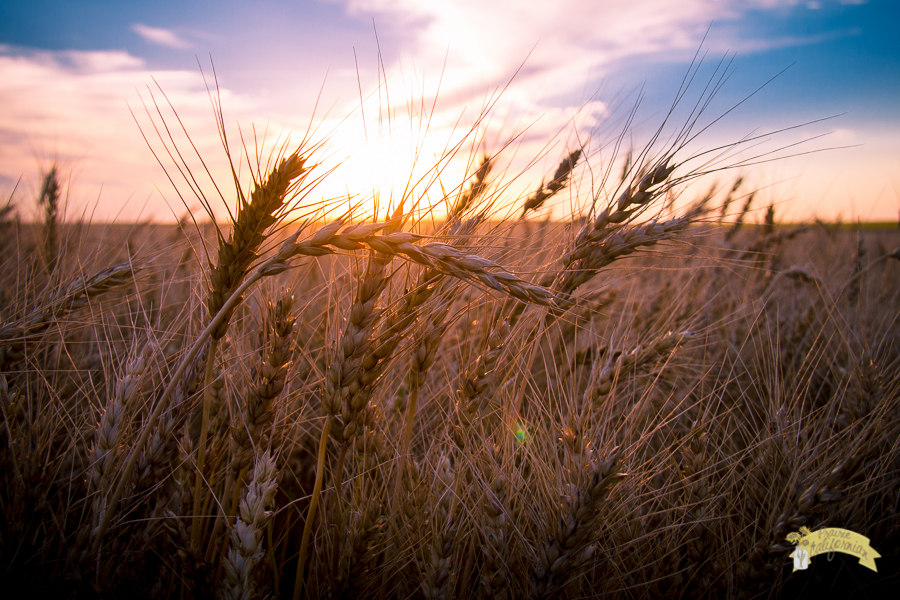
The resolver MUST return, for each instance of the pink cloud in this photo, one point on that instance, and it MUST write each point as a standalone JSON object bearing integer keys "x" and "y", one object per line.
{"x": 160, "y": 36}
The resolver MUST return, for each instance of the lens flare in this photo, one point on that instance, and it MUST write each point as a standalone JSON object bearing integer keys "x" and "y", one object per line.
{"x": 521, "y": 433}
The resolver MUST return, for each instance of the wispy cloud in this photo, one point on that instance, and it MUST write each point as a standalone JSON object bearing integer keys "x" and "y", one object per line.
{"x": 557, "y": 50}
{"x": 73, "y": 107}
{"x": 160, "y": 36}
{"x": 91, "y": 111}
{"x": 568, "y": 39}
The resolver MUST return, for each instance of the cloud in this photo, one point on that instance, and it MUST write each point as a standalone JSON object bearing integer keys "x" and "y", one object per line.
{"x": 91, "y": 111}
{"x": 160, "y": 36}
{"x": 75, "y": 108}
{"x": 559, "y": 47}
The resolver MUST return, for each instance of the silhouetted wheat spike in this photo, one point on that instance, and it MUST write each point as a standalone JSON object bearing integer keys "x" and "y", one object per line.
{"x": 49, "y": 199}
{"x": 254, "y": 218}
{"x": 559, "y": 181}
{"x": 468, "y": 197}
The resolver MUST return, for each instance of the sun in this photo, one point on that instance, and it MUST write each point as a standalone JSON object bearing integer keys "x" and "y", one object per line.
{"x": 378, "y": 166}
{"x": 381, "y": 165}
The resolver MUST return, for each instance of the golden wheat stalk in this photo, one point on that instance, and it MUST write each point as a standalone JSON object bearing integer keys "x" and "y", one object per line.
{"x": 236, "y": 256}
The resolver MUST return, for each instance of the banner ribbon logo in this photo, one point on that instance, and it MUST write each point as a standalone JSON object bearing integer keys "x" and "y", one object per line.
{"x": 832, "y": 539}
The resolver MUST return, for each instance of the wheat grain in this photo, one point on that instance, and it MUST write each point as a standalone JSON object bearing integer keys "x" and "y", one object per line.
{"x": 247, "y": 534}
{"x": 569, "y": 546}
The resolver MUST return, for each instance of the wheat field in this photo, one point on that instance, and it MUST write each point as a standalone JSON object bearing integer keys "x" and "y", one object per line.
{"x": 639, "y": 401}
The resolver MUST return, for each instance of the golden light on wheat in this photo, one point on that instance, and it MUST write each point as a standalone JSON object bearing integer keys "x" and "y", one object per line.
{"x": 320, "y": 398}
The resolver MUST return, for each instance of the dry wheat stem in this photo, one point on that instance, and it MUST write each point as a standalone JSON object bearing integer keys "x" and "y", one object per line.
{"x": 197, "y": 523}
{"x": 313, "y": 505}
{"x": 404, "y": 445}
{"x": 338, "y": 516}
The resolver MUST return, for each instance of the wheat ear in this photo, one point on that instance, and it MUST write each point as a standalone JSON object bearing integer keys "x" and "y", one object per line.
{"x": 570, "y": 545}
{"x": 477, "y": 382}
{"x": 77, "y": 295}
{"x": 247, "y": 534}
{"x": 111, "y": 428}
{"x": 437, "y": 582}
{"x": 49, "y": 199}
{"x": 559, "y": 181}
{"x": 623, "y": 363}
{"x": 589, "y": 259}
{"x": 696, "y": 483}
{"x": 475, "y": 190}
{"x": 495, "y": 527}
{"x": 269, "y": 381}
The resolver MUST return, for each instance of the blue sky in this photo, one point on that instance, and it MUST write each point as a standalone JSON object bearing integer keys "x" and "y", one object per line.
{"x": 569, "y": 72}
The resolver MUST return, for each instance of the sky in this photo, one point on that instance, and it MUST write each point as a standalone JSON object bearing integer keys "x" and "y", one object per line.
{"x": 393, "y": 90}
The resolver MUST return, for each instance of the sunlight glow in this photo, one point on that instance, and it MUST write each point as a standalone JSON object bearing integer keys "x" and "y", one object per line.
{"x": 378, "y": 168}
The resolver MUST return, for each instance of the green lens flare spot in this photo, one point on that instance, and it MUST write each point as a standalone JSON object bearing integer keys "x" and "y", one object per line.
{"x": 521, "y": 433}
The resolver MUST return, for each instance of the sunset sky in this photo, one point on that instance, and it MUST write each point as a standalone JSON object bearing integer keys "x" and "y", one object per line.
{"x": 555, "y": 76}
